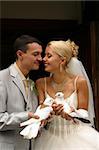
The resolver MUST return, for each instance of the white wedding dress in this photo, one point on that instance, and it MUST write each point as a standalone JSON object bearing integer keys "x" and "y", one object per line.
{"x": 62, "y": 134}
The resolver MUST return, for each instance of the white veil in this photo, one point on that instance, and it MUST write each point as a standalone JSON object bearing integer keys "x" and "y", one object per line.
{"x": 76, "y": 67}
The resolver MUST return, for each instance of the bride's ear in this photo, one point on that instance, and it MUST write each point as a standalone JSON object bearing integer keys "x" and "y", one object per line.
{"x": 63, "y": 61}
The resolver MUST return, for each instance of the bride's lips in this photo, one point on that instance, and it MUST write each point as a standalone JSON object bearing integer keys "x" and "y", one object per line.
{"x": 45, "y": 64}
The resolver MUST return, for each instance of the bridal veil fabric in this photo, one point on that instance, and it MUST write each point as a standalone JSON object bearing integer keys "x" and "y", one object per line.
{"x": 76, "y": 67}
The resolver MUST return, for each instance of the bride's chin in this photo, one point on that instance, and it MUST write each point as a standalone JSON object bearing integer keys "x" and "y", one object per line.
{"x": 46, "y": 68}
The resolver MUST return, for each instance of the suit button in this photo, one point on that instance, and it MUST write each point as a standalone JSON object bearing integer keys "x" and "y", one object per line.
{"x": 28, "y": 108}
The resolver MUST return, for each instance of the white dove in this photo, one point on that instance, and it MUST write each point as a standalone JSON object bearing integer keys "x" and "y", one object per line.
{"x": 80, "y": 113}
{"x": 60, "y": 100}
{"x": 33, "y": 125}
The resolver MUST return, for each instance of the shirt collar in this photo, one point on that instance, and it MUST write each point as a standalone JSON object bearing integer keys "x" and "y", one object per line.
{"x": 20, "y": 72}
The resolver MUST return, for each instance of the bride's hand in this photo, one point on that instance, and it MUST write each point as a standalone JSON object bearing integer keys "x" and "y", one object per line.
{"x": 57, "y": 108}
{"x": 68, "y": 117}
{"x": 45, "y": 121}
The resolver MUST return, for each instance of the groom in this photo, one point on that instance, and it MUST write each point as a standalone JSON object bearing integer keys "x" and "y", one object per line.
{"x": 18, "y": 101}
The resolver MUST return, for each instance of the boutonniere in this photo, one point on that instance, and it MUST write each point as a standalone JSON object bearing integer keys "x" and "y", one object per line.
{"x": 33, "y": 87}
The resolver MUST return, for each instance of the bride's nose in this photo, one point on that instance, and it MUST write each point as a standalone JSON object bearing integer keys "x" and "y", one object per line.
{"x": 44, "y": 59}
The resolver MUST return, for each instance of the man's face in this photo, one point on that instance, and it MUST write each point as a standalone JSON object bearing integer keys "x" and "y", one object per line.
{"x": 32, "y": 57}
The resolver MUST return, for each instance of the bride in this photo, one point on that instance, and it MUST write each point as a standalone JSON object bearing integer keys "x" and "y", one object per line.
{"x": 63, "y": 131}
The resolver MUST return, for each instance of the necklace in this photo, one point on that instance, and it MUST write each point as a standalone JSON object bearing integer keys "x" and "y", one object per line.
{"x": 58, "y": 87}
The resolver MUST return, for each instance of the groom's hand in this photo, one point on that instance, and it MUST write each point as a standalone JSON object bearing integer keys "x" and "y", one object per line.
{"x": 31, "y": 115}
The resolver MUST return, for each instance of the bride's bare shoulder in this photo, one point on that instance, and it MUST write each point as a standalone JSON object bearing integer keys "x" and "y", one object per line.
{"x": 81, "y": 78}
{"x": 81, "y": 81}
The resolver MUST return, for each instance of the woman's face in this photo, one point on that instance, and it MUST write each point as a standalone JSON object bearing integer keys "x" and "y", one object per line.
{"x": 51, "y": 60}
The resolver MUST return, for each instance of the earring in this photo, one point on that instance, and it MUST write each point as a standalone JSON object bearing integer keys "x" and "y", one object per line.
{"x": 51, "y": 74}
{"x": 60, "y": 68}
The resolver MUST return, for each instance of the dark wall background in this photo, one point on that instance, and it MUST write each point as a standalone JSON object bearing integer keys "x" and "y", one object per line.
{"x": 44, "y": 30}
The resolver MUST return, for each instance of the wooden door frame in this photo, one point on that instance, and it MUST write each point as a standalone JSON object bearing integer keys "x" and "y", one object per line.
{"x": 94, "y": 72}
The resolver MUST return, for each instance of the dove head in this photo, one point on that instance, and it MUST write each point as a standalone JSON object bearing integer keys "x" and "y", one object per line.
{"x": 48, "y": 101}
{"x": 59, "y": 95}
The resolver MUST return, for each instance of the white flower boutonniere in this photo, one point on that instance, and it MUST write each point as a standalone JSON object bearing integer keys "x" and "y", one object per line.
{"x": 33, "y": 87}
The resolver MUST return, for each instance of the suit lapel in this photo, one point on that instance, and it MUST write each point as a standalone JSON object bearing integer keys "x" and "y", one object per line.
{"x": 17, "y": 80}
{"x": 31, "y": 101}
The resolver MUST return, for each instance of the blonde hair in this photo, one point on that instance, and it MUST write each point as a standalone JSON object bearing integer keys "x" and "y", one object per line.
{"x": 74, "y": 48}
{"x": 66, "y": 49}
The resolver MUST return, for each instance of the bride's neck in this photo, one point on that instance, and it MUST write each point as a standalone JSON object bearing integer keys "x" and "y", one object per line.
{"x": 58, "y": 81}
{"x": 58, "y": 78}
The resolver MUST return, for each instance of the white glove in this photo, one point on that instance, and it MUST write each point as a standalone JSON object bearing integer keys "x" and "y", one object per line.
{"x": 81, "y": 113}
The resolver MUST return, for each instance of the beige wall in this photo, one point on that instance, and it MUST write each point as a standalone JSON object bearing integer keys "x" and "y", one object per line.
{"x": 65, "y": 10}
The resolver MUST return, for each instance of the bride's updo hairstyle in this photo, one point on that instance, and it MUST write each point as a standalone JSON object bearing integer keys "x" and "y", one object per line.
{"x": 74, "y": 48}
{"x": 65, "y": 49}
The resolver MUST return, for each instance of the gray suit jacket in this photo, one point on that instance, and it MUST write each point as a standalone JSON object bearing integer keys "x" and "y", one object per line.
{"x": 14, "y": 107}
